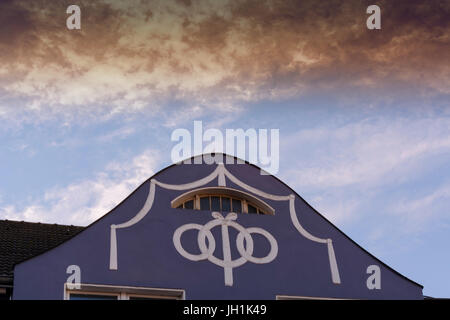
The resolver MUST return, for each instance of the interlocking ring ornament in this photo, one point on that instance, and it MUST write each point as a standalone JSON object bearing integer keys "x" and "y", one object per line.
{"x": 207, "y": 251}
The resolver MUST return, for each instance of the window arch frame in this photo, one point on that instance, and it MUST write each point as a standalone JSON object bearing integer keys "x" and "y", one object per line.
{"x": 232, "y": 193}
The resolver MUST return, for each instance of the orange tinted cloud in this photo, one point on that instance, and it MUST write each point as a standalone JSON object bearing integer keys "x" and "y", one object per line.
{"x": 130, "y": 54}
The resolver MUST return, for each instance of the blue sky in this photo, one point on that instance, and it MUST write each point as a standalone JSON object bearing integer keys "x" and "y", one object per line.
{"x": 382, "y": 176}
{"x": 86, "y": 116}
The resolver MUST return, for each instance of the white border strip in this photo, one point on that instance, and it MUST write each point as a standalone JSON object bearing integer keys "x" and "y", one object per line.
{"x": 102, "y": 289}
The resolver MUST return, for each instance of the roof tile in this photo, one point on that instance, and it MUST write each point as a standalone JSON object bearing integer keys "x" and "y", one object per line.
{"x": 22, "y": 240}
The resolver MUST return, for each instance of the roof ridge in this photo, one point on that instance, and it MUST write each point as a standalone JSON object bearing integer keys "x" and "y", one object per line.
{"x": 40, "y": 223}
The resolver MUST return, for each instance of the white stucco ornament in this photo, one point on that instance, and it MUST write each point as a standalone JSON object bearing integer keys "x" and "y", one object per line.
{"x": 223, "y": 176}
{"x": 207, "y": 251}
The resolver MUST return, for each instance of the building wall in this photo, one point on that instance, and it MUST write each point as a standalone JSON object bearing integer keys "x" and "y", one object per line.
{"x": 147, "y": 257}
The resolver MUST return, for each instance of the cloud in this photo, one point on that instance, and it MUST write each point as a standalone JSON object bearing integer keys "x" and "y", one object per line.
{"x": 338, "y": 207}
{"x": 83, "y": 202}
{"x": 219, "y": 113}
{"x": 368, "y": 152}
{"x": 134, "y": 57}
{"x": 419, "y": 213}
{"x": 365, "y": 171}
{"x": 120, "y": 133}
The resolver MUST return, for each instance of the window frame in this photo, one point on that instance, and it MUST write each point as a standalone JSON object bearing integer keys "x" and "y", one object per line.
{"x": 288, "y": 297}
{"x": 231, "y": 193}
{"x": 124, "y": 292}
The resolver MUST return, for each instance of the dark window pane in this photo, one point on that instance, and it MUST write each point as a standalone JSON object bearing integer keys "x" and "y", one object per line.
{"x": 215, "y": 203}
{"x": 226, "y": 204}
{"x": 180, "y": 206}
{"x": 91, "y": 297}
{"x": 204, "y": 203}
{"x": 237, "y": 206}
{"x": 252, "y": 209}
{"x": 189, "y": 204}
{"x": 145, "y": 298}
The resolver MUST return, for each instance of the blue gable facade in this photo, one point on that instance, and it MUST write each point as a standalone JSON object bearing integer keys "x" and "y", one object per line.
{"x": 145, "y": 242}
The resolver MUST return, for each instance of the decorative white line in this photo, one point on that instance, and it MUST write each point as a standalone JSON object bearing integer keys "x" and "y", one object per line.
{"x": 333, "y": 264}
{"x": 207, "y": 251}
{"x": 222, "y": 181}
{"x": 148, "y": 205}
{"x": 194, "y": 184}
{"x": 297, "y": 224}
{"x": 254, "y": 190}
{"x": 221, "y": 172}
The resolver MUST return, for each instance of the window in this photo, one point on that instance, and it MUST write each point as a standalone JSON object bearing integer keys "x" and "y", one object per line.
{"x": 189, "y": 204}
{"x": 222, "y": 199}
{"x": 220, "y": 203}
{"x": 286, "y": 297}
{"x": 84, "y": 296}
{"x": 237, "y": 205}
{"x": 252, "y": 209}
{"x": 106, "y": 292}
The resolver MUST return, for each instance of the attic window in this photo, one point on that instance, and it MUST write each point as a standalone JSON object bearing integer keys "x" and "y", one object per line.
{"x": 221, "y": 199}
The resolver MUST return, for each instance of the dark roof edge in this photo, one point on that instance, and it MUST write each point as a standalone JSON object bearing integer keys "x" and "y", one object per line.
{"x": 44, "y": 223}
{"x": 395, "y": 271}
{"x": 99, "y": 219}
{"x": 6, "y": 281}
{"x": 48, "y": 249}
{"x": 246, "y": 162}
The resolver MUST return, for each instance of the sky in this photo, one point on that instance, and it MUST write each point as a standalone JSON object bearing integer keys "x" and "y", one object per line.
{"x": 87, "y": 115}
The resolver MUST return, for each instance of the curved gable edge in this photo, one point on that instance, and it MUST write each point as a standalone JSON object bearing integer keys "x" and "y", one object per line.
{"x": 149, "y": 180}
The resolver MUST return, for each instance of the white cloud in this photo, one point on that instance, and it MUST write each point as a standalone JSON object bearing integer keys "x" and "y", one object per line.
{"x": 83, "y": 202}
{"x": 337, "y": 208}
{"x": 218, "y": 114}
{"x": 419, "y": 213}
{"x": 117, "y": 134}
{"x": 342, "y": 170}
{"x": 367, "y": 152}
{"x": 424, "y": 202}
